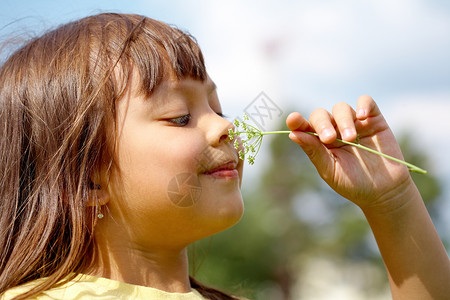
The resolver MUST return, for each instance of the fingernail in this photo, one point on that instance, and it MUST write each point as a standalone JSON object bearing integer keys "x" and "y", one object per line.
{"x": 361, "y": 113}
{"x": 348, "y": 133}
{"x": 326, "y": 133}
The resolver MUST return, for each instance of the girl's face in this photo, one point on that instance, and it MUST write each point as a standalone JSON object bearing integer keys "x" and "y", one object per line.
{"x": 178, "y": 177}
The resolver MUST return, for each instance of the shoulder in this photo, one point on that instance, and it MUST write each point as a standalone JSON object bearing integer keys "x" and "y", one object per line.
{"x": 91, "y": 287}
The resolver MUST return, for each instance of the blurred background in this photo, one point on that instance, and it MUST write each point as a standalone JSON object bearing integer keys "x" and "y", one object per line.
{"x": 297, "y": 239}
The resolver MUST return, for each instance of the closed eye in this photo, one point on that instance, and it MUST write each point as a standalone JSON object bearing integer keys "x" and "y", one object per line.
{"x": 180, "y": 121}
{"x": 184, "y": 120}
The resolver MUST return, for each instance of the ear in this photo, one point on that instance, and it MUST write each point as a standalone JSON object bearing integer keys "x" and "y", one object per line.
{"x": 98, "y": 193}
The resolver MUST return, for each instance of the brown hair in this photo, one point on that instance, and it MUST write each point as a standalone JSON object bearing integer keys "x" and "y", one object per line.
{"x": 57, "y": 94}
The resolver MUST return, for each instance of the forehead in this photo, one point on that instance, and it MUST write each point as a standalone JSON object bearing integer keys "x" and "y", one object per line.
{"x": 185, "y": 87}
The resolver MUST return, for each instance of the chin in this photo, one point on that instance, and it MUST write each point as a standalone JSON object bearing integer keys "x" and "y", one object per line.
{"x": 224, "y": 213}
{"x": 230, "y": 215}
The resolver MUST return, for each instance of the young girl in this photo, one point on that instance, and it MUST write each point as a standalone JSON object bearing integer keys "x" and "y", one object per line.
{"x": 114, "y": 157}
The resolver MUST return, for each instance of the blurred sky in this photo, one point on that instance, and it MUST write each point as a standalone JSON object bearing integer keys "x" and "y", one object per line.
{"x": 304, "y": 54}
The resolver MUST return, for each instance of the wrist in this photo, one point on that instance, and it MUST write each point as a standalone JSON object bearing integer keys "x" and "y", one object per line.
{"x": 393, "y": 201}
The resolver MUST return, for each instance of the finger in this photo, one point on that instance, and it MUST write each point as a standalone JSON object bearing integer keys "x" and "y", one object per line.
{"x": 370, "y": 119}
{"x": 296, "y": 122}
{"x": 323, "y": 123}
{"x": 366, "y": 107}
{"x": 319, "y": 155}
{"x": 345, "y": 117}
{"x": 316, "y": 151}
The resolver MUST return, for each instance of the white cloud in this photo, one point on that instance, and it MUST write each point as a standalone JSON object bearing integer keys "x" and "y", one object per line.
{"x": 321, "y": 49}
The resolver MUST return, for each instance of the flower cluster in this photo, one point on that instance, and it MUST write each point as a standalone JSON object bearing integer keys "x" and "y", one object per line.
{"x": 249, "y": 141}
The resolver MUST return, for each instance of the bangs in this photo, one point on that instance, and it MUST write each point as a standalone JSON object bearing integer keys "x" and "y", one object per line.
{"x": 160, "y": 52}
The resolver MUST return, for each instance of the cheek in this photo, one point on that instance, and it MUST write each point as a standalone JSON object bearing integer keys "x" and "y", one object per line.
{"x": 149, "y": 165}
{"x": 159, "y": 149}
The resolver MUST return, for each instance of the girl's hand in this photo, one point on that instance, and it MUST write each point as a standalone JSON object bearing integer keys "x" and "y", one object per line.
{"x": 366, "y": 179}
{"x": 414, "y": 256}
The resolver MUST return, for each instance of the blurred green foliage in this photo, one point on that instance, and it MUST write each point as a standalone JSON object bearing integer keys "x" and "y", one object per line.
{"x": 290, "y": 217}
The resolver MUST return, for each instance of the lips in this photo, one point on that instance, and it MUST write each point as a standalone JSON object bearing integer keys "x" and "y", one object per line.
{"x": 225, "y": 170}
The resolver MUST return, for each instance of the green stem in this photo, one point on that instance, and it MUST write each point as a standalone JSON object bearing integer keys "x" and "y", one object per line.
{"x": 273, "y": 132}
{"x": 411, "y": 167}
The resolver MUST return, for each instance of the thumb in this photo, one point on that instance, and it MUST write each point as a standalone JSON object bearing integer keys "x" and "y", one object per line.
{"x": 320, "y": 156}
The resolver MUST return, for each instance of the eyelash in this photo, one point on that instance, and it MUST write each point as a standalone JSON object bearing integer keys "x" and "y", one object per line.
{"x": 184, "y": 120}
{"x": 181, "y": 121}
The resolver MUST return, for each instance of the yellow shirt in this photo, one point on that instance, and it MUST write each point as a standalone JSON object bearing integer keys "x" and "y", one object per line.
{"x": 91, "y": 287}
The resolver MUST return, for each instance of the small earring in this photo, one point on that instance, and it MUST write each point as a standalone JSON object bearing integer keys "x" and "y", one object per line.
{"x": 100, "y": 215}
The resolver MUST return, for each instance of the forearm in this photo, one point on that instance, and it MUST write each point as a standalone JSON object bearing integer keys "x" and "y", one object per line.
{"x": 416, "y": 260}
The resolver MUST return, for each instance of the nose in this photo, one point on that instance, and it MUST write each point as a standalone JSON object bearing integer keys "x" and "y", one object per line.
{"x": 217, "y": 129}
